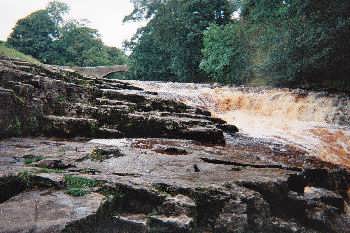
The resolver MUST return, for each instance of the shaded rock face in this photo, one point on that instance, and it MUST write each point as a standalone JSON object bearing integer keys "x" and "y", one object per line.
{"x": 38, "y": 100}
{"x": 169, "y": 168}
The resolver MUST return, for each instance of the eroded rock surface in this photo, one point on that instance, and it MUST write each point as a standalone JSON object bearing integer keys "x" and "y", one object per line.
{"x": 237, "y": 188}
{"x": 43, "y": 100}
{"x": 46, "y": 211}
{"x": 169, "y": 168}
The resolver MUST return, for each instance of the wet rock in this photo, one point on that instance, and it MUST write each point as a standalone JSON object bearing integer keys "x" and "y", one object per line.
{"x": 11, "y": 186}
{"x": 52, "y": 164}
{"x": 232, "y": 218}
{"x": 171, "y": 151}
{"x": 204, "y": 135}
{"x": 109, "y": 133}
{"x": 283, "y": 226}
{"x": 313, "y": 194}
{"x": 10, "y": 117}
{"x": 196, "y": 168}
{"x": 173, "y": 224}
{"x": 69, "y": 126}
{"x": 178, "y": 205}
{"x": 132, "y": 223}
{"x": 231, "y": 129}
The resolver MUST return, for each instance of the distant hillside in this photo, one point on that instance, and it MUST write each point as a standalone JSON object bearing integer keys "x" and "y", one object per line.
{"x": 13, "y": 53}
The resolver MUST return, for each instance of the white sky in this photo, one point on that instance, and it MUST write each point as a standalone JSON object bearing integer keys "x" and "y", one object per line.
{"x": 104, "y": 15}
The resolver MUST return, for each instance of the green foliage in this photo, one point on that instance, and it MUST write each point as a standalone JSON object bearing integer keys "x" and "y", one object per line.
{"x": 312, "y": 48}
{"x": 169, "y": 47}
{"x": 278, "y": 42}
{"x": 98, "y": 155}
{"x": 81, "y": 46}
{"x": 56, "y": 11}
{"x": 49, "y": 170}
{"x": 32, "y": 159}
{"x": 286, "y": 43}
{"x": 225, "y": 56}
{"x": 45, "y": 36}
{"x": 33, "y": 35}
{"x": 148, "y": 60}
{"x": 26, "y": 177}
{"x": 61, "y": 99}
{"x": 15, "y": 127}
{"x": 79, "y": 186}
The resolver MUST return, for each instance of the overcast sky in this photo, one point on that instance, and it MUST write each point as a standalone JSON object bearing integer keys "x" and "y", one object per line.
{"x": 104, "y": 15}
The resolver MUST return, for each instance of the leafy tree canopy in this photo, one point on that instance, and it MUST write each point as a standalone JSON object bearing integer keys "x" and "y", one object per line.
{"x": 46, "y": 36}
{"x": 299, "y": 43}
{"x": 34, "y": 35}
{"x": 169, "y": 46}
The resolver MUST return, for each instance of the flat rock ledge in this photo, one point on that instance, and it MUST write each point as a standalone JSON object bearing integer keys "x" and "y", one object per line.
{"x": 160, "y": 167}
{"x": 167, "y": 185}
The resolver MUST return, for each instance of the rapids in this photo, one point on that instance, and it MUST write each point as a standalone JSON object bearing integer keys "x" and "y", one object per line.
{"x": 316, "y": 122}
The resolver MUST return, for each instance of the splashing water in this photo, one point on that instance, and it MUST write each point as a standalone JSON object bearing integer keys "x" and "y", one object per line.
{"x": 314, "y": 121}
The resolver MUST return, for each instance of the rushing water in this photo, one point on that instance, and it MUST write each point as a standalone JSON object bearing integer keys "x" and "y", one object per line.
{"x": 314, "y": 121}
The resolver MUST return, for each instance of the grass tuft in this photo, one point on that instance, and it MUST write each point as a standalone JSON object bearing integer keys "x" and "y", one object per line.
{"x": 79, "y": 186}
{"x": 32, "y": 159}
{"x": 49, "y": 170}
{"x": 26, "y": 177}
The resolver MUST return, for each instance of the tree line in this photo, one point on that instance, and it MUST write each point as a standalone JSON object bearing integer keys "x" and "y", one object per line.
{"x": 294, "y": 43}
{"x": 297, "y": 43}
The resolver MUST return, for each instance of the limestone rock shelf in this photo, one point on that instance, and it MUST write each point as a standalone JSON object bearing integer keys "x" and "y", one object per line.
{"x": 43, "y": 100}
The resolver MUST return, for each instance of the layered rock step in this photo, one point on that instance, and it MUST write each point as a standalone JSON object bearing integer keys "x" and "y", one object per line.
{"x": 46, "y": 100}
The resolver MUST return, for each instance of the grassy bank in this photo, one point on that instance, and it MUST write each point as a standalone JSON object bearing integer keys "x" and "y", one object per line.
{"x": 12, "y": 53}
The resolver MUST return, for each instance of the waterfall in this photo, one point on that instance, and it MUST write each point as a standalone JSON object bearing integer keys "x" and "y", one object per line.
{"x": 317, "y": 122}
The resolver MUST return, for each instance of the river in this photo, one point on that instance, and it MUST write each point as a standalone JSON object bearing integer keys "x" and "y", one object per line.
{"x": 316, "y": 122}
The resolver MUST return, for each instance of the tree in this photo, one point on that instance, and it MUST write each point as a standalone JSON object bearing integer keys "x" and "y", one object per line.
{"x": 34, "y": 35}
{"x": 314, "y": 51}
{"x": 148, "y": 60}
{"x": 225, "y": 54}
{"x": 294, "y": 43}
{"x": 174, "y": 33}
{"x": 80, "y": 45}
{"x": 46, "y": 36}
{"x": 56, "y": 11}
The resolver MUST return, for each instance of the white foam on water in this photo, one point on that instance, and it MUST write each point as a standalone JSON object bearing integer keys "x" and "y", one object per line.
{"x": 308, "y": 120}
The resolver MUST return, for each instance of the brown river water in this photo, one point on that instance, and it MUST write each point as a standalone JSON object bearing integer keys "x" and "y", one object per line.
{"x": 316, "y": 122}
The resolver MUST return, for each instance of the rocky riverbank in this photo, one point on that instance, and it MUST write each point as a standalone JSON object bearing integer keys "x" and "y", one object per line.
{"x": 167, "y": 167}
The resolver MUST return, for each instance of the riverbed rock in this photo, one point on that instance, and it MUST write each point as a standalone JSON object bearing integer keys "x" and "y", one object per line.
{"x": 52, "y": 164}
{"x": 147, "y": 188}
{"x": 46, "y": 211}
{"x": 45, "y": 100}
